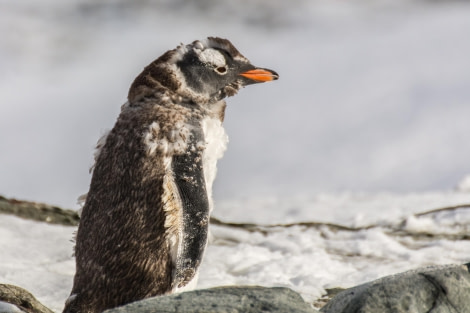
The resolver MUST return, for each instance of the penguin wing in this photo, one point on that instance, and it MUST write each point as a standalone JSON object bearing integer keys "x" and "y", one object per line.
{"x": 190, "y": 184}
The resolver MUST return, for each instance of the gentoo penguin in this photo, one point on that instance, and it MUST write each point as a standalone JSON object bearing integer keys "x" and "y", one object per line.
{"x": 144, "y": 224}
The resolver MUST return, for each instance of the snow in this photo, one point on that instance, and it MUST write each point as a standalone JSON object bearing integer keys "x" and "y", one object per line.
{"x": 37, "y": 257}
{"x": 397, "y": 232}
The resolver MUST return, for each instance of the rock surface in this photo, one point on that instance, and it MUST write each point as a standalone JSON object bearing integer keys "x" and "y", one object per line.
{"x": 436, "y": 289}
{"x": 223, "y": 299}
{"x": 20, "y": 300}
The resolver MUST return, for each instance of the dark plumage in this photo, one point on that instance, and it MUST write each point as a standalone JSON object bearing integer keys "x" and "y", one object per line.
{"x": 144, "y": 223}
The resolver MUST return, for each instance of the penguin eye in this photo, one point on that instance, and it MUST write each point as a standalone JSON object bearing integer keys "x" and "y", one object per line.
{"x": 221, "y": 70}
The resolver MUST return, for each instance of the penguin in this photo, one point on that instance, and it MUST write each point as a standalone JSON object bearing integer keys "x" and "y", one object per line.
{"x": 144, "y": 224}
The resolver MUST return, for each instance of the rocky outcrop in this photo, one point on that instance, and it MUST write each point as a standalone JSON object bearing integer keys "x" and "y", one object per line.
{"x": 16, "y": 299}
{"x": 38, "y": 212}
{"x": 443, "y": 289}
{"x": 251, "y": 299}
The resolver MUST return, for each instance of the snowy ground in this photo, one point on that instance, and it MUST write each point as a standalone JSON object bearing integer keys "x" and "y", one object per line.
{"x": 372, "y": 235}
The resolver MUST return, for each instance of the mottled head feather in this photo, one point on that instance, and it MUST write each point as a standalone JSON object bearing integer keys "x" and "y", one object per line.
{"x": 188, "y": 71}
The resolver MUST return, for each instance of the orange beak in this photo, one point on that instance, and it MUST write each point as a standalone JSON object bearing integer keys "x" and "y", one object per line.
{"x": 260, "y": 75}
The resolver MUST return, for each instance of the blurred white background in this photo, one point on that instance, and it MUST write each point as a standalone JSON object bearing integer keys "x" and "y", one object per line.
{"x": 373, "y": 95}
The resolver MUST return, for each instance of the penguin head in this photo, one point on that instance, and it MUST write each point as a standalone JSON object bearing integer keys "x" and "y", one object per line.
{"x": 214, "y": 69}
{"x": 204, "y": 71}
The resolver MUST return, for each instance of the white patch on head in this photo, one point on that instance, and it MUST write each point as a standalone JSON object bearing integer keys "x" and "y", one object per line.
{"x": 215, "y": 44}
{"x": 212, "y": 56}
{"x": 201, "y": 46}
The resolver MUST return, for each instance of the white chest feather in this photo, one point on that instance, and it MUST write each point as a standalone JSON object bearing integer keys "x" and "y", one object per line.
{"x": 216, "y": 141}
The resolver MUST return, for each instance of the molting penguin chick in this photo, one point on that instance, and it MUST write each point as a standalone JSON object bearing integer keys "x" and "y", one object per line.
{"x": 144, "y": 224}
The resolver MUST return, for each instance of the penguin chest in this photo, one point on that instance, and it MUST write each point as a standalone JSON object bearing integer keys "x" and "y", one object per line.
{"x": 216, "y": 141}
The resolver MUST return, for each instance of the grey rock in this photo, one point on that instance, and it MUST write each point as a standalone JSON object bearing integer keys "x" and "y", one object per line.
{"x": 436, "y": 289}
{"x": 6, "y": 307}
{"x": 16, "y": 299}
{"x": 248, "y": 299}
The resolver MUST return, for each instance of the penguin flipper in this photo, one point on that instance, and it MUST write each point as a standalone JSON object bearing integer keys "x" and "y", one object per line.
{"x": 191, "y": 187}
